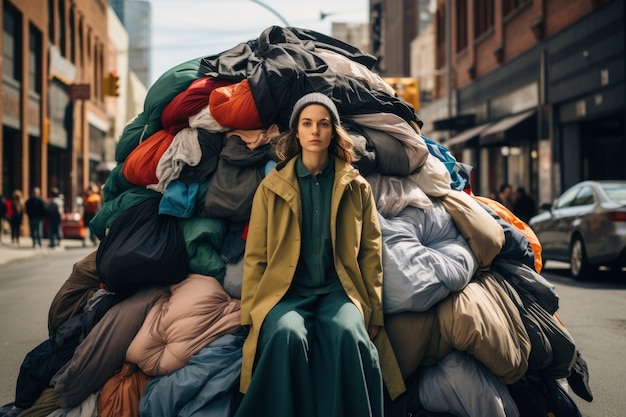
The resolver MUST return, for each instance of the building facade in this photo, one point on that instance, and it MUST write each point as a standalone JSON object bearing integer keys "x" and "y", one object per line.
{"x": 53, "y": 114}
{"x": 394, "y": 23}
{"x": 136, "y": 17}
{"x": 537, "y": 91}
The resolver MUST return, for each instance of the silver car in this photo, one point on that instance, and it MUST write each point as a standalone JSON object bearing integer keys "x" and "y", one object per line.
{"x": 586, "y": 226}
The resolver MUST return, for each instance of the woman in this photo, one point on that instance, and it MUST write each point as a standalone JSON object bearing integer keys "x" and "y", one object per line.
{"x": 17, "y": 215}
{"x": 313, "y": 279}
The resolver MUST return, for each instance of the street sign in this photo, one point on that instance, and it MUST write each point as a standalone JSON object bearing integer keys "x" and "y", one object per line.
{"x": 79, "y": 91}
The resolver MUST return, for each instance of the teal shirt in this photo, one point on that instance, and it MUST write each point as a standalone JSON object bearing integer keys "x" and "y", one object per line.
{"x": 316, "y": 271}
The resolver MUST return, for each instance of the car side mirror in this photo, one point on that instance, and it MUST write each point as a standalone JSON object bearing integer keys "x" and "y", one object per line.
{"x": 546, "y": 207}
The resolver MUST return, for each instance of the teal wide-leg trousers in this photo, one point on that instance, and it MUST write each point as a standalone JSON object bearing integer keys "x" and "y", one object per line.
{"x": 314, "y": 359}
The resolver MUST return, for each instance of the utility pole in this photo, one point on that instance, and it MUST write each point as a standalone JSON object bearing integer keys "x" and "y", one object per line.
{"x": 271, "y": 10}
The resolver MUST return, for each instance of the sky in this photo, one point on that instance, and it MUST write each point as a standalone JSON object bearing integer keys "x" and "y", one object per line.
{"x": 188, "y": 29}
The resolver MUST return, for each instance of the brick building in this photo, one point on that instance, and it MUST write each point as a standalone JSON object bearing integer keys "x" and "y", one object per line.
{"x": 537, "y": 91}
{"x": 53, "y": 105}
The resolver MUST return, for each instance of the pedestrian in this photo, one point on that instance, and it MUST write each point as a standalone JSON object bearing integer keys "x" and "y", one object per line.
{"x": 505, "y": 196}
{"x": 92, "y": 202}
{"x": 524, "y": 206}
{"x": 3, "y": 215}
{"x": 16, "y": 216}
{"x": 312, "y": 280}
{"x": 54, "y": 212}
{"x": 36, "y": 210}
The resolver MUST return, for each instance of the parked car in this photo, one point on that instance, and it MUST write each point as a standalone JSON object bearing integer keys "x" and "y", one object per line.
{"x": 586, "y": 226}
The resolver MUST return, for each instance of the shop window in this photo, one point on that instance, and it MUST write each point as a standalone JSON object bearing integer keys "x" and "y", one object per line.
{"x": 11, "y": 43}
{"x": 34, "y": 60}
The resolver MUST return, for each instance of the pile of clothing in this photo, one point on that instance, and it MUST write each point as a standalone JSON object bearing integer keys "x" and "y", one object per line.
{"x": 149, "y": 323}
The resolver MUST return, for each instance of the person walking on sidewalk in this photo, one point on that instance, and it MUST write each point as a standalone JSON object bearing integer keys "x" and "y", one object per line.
{"x": 36, "y": 210}
{"x": 3, "y": 215}
{"x": 54, "y": 212}
{"x": 17, "y": 215}
{"x": 92, "y": 201}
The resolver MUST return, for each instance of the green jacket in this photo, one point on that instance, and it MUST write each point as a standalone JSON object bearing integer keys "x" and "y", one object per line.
{"x": 273, "y": 250}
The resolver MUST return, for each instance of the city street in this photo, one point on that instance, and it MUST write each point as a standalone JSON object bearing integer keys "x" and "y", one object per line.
{"x": 592, "y": 311}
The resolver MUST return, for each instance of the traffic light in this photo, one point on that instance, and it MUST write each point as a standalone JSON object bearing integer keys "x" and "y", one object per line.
{"x": 407, "y": 89}
{"x": 111, "y": 84}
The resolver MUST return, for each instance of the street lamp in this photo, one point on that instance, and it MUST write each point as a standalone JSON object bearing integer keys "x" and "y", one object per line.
{"x": 271, "y": 10}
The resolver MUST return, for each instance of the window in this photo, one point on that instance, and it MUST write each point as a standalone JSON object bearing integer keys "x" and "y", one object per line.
{"x": 11, "y": 44}
{"x": 566, "y": 200}
{"x": 483, "y": 16}
{"x": 616, "y": 192}
{"x": 62, "y": 25}
{"x": 461, "y": 25}
{"x": 34, "y": 60}
{"x": 72, "y": 36}
{"x": 51, "y": 14}
{"x": 81, "y": 45}
{"x": 584, "y": 197}
{"x": 509, "y": 6}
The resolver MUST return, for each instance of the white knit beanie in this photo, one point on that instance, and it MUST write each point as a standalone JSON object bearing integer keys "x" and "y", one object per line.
{"x": 313, "y": 98}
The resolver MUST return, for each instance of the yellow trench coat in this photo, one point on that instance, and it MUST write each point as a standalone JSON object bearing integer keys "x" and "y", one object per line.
{"x": 273, "y": 250}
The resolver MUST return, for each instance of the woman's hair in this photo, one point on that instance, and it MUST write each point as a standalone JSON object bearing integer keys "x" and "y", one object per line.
{"x": 287, "y": 145}
{"x": 18, "y": 200}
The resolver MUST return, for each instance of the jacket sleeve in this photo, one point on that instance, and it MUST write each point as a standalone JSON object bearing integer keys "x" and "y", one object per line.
{"x": 255, "y": 258}
{"x": 370, "y": 255}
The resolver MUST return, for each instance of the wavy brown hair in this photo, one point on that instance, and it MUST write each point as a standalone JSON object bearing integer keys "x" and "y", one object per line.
{"x": 341, "y": 145}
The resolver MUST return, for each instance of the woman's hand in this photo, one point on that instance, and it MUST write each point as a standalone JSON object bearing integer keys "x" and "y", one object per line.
{"x": 372, "y": 331}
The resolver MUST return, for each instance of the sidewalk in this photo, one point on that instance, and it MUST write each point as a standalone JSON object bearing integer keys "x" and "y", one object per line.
{"x": 10, "y": 252}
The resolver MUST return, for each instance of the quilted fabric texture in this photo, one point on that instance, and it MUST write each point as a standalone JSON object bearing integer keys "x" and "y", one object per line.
{"x": 197, "y": 312}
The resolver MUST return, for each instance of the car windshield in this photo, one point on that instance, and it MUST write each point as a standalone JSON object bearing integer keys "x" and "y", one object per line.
{"x": 616, "y": 192}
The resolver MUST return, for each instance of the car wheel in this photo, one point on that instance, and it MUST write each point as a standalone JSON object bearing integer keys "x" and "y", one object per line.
{"x": 580, "y": 267}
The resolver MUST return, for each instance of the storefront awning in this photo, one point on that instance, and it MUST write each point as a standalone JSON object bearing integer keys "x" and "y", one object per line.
{"x": 501, "y": 130}
{"x": 466, "y": 135}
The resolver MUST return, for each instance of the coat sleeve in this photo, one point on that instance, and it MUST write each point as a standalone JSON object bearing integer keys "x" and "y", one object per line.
{"x": 370, "y": 255}
{"x": 255, "y": 258}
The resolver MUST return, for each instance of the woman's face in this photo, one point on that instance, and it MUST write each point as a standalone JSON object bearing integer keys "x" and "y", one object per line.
{"x": 315, "y": 129}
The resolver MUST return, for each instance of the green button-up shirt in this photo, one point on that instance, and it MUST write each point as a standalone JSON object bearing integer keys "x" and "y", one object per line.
{"x": 316, "y": 272}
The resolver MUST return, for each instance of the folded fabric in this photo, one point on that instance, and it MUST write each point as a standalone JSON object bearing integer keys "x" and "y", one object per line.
{"x": 416, "y": 339}
{"x": 184, "y": 150}
{"x": 483, "y": 321}
{"x": 120, "y": 395}
{"x": 206, "y": 386}
{"x": 424, "y": 259}
{"x": 463, "y": 387}
{"x": 140, "y": 166}
{"x": 433, "y": 177}
{"x": 233, "y": 106}
{"x": 483, "y": 233}
{"x": 197, "y": 312}
{"x": 203, "y": 239}
{"x": 553, "y": 348}
{"x": 193, "y": 99}
{"x": 101, "y": 353}
{"x": 179, "y": 199}
{"x": 393, "y": 194}
{"x": 82, "y": 283}
{"x": 512, "y": 219}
